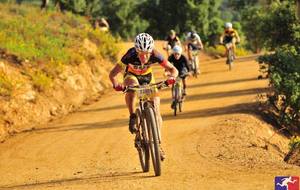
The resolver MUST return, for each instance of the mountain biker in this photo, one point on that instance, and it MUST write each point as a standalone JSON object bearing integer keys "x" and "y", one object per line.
{"x": 181, "y": 64}
{"x": 193, "y": 42}
{"x": 230, "y": 35}
{"x": 136, "y": 64}
{"x": 172, "y": 40}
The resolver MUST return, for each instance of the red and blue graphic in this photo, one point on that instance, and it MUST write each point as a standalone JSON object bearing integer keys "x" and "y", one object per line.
{"x": 287, "y": 183}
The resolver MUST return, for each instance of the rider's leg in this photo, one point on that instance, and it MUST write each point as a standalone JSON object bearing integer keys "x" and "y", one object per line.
{"x": 173, "y": 97}
{"x": 189, "y": 47}
{"x": 184, "y": 86}
{"x": 226, "y": 50}
{"x": 156, "y": 101}
{"x": 130, "y": 99}
{"x": 233, "y": 47}
{"x": 197, "y": 64}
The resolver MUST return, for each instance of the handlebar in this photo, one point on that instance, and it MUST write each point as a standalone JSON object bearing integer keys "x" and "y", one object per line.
{"x": 158, "y": 85}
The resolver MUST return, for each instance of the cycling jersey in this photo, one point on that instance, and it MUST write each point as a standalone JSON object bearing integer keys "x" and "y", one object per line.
{"x": 229, "y": 35}
{"x": 180, "y": 64}
{"x": 193, "y": 44}
{"x": 173, "y": 42}
{"x": 195, "y": 40}
{"x": 133, "y": 65}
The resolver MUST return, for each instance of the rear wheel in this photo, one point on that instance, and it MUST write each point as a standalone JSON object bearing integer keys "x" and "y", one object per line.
{"x": 141, "y": 141}
{"x": 230, "y": 59}
{"x": 196, "y": 66}
{"x": 153, "y": 140}
{"x": 176, "y": 97}
{"x": 180, "y": 106}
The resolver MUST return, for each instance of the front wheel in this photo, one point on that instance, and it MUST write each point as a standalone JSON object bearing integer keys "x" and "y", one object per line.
{"x": 230, "y": 59}
{"x": 141, "y": 141}
{"x": 153, "y": 139}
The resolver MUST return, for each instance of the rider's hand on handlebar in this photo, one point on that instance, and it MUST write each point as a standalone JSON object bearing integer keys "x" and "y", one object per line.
{"x": 170, "y": 80}
{"x": 118, "y": 87}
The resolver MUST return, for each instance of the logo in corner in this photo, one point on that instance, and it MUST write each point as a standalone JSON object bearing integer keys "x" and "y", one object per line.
{"x": 286, "y": 183}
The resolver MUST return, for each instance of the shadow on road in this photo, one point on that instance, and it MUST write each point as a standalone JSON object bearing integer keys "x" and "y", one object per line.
{"x": 238, "y": 108}
{"x": 105, "y": 108}
{"x": 82, "y": 126}
{"x": 90, "y": 178}
{"x": 221, "y": 83}
{"x": 232, "y": 109}
{"x": 214, "y": 95}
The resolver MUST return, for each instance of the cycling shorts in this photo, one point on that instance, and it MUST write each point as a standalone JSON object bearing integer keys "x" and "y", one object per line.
{"x": 193, "y": 47}
{"x": 140, "y": 79}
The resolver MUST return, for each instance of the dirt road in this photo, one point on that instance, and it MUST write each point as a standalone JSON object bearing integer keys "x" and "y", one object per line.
{"x": 217, "y": 142}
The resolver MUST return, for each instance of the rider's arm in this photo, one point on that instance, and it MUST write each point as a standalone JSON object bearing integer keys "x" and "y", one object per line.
{"x": 185, "y": 45}
{"x": 221, "y": 38}
{"x": 185, "y": 63}
{"x": 200, "y": 45}
{"x": 113, "y": 73}
{"x": 170, "y": 68}
{"x": 178, "y": 41}
{"x": 238, "y": 39}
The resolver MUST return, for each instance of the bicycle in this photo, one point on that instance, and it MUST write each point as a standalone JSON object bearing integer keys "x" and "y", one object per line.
{"x": 195, "y": 63}
{"x": 147, "y": 137}
{"x": 177, "y": 93}
{"x": 230, "y": 55}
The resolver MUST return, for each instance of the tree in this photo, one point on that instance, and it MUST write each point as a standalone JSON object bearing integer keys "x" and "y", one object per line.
{"x": 279, "y": 25}
{"x": 124, "y": 17}
{"x": 183, "y": 16}
{"x": 298, "y": 9}
{"x": 252, "y": 26}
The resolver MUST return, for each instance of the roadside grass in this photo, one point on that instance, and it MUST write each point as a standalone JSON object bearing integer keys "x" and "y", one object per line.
{"x": 219, "y": 51}
{"x": 49, "y": 40}
{"x": 6, "y": 85}
{"x": 295, "y": 141}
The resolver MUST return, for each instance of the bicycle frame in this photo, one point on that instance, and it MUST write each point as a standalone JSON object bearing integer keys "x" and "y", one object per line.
{"x": 229, "y": 50}
{"x": 148, "y": 135}
{"x": 195, "y": 61}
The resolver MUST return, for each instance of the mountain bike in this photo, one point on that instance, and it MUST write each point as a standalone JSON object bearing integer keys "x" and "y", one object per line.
{"x": 195, "y": 63}
{"x": 147, "y": 137}
{"x": 177, "y": 94}
{"x": 230, "y": 55}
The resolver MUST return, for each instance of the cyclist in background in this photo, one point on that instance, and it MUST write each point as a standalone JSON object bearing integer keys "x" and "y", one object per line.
{"x": 136, "y": 64}
{"x": 172, "y": 40}
{"x": 193, "y": 42}
{"x": 181, "y": 64}
{"x": 230, "y": 35}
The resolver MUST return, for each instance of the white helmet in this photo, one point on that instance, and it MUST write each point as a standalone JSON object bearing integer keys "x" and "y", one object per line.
{"x": 177, "y": 49}
{"x": 228, "y": 25}
{"x": 144, "y": 42}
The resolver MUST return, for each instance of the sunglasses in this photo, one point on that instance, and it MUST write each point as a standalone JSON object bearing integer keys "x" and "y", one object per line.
{"x": 144, "y": 53}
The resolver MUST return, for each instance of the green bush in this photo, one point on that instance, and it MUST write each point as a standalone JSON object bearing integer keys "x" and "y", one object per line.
{"x": 219, "y": 51}
{"x": 294, "y": 142}
{"x": 281, "y": 31}
{"x": 283, "y": 69}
